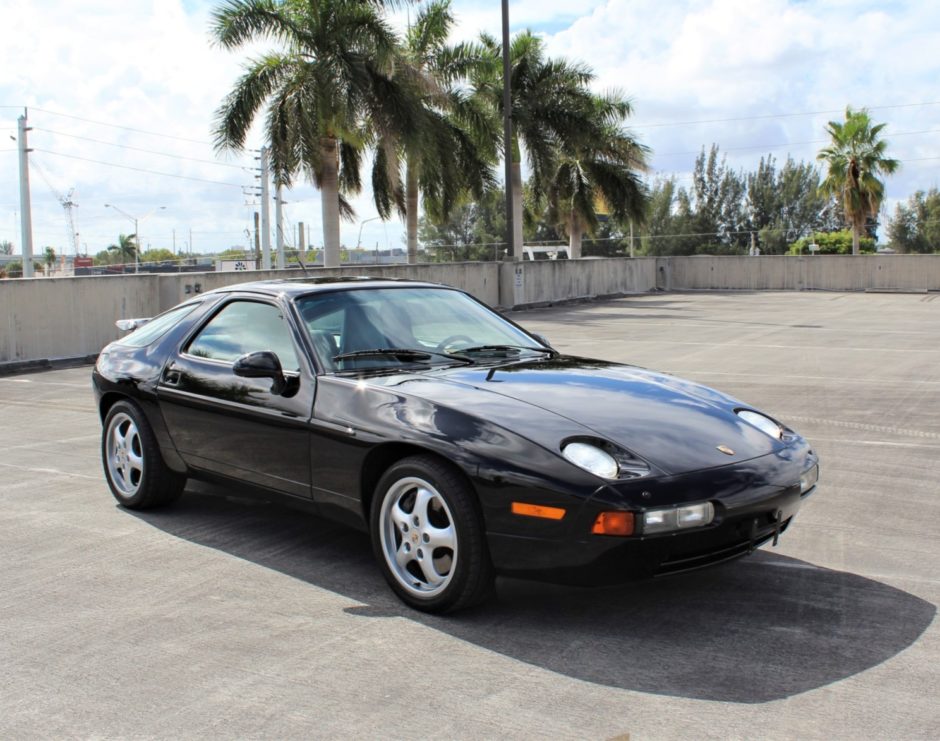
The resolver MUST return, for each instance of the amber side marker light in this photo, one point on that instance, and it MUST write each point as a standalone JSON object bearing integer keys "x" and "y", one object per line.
{"x": 613, "y": 523}
{"x": 537, "y": 510}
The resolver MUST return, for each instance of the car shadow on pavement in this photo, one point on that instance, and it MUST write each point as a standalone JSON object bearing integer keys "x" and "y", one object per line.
{"x": 754, "y": 630}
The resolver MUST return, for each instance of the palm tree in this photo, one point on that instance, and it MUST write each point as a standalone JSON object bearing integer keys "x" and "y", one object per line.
{"x": 856, "y": 158}
{"x": 552, "y": 110}
{"x": 602, "y": 168}
{"x": 454, "y": 148}
{"x": 125, "y": 250}
{"x": 328, "y": 92}
{"x": 49, "y": 258}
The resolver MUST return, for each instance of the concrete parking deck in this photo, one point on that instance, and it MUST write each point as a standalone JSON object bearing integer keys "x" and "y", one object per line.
{"x": 223, "y": 619}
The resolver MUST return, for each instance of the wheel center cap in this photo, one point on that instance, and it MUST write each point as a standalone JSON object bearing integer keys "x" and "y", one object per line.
{"x": 414, "y": 538}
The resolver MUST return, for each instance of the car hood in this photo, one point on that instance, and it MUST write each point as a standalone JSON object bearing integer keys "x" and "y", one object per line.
{"x": 676, "y": 425}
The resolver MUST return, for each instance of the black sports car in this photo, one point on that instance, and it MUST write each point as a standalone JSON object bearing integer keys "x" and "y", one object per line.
{"x": 465, "y": 445}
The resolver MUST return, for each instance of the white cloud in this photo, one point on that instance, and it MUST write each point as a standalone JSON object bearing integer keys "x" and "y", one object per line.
{"x": 149, "y": 66}
{"x": 732, "y": 59}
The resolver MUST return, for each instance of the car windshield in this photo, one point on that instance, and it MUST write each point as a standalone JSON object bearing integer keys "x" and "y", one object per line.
{"x": 390, "y": 327}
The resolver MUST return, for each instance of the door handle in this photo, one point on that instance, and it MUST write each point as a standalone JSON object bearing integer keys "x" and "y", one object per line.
{"x": 171, "y": 376}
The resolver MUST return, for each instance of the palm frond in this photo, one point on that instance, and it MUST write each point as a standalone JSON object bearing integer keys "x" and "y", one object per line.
{"x": 238, "y": 22}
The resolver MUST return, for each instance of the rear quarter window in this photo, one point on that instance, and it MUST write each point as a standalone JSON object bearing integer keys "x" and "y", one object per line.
{"x": 156, "y": 328}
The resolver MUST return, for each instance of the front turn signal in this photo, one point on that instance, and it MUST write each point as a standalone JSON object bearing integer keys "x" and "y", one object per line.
{"x": 613, "y": 523}
{"x": 537, "y": 510}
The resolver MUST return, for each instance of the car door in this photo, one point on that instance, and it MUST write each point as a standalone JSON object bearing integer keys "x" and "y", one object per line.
{"x": 235, "y": 426}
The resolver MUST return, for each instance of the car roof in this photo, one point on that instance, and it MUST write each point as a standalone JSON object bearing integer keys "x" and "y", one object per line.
{"x": 292, "y": 287}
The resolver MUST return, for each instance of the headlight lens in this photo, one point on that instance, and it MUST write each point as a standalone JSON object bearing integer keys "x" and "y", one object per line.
{"x": 762, "y": 422}
{"x": 809, "y": 479}
{"x": 591, "y": 458}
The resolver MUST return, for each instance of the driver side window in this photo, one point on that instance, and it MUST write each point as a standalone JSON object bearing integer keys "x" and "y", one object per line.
{"x": 243, "y": 327}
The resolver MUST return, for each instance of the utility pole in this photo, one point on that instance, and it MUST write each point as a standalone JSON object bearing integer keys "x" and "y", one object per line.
{"x": 265, "y": 213}
{"x": 26, "y": 212}
{"x": 302, "y": 243}
{"x": 514, "y": 249}
{"x": 631, "y": 237}
{"x": 257, "y": 242}
{"x": 279, "y": 227}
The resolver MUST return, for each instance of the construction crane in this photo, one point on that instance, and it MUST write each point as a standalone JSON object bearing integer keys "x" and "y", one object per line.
{"x": 68, "y": 204}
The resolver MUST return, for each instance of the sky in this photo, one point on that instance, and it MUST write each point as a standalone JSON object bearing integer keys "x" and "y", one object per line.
{"x": 121, "y": 99}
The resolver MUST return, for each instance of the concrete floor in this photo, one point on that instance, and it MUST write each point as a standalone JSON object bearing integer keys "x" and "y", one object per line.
{"x": 223, "y": 619}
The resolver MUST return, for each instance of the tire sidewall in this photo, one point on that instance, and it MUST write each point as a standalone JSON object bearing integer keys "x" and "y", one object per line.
{"x": 147, "y": 451}
{"x": 456, "y": 499}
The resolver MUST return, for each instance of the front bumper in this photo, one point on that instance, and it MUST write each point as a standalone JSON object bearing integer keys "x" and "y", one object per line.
{"x": 755, "y": 503}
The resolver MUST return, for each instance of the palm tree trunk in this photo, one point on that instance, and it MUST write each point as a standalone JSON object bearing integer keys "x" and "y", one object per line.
{"x": 574, "y": 236}
{"x": 516, "y": 179}
{"x": 329, "y": 201}
{"x": 856, "y": 239}
{"x": 411, "y": 211}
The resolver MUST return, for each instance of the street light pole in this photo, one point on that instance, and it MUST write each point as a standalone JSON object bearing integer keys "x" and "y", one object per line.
{"x": 359, "y": 238}
{"x": 136, "y": 220}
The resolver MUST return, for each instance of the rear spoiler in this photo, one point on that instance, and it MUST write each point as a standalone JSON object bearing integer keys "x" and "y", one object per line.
{"x": 129, "y": 324}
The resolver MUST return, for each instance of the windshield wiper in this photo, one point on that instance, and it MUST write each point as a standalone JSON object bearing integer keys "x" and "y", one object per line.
{"x": 508, "y": 349}
{"x": 403, "y": 353}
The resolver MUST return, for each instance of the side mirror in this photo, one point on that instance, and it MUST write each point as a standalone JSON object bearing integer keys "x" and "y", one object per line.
{"x": 543, "y": 339}
{"x": 264, "y": 364}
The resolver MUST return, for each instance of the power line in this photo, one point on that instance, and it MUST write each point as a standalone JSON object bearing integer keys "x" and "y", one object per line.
{"x": 116, "y": 126}
{"x": 789, "y": 144}
{"x": 138, "y": 169}
{"x": 138, "y": 149}
{"x": 773, "y": 115}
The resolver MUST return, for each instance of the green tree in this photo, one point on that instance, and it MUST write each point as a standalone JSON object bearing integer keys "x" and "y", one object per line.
{"x": 722, "y": 209}
{"x": 856, "y": 160}
{"x": 475, "y": 229}
{"x": 48, "y": 259}
{"x": 14, "y": 268}
{"x": 125, "y": 250}
{"x": 832, "y": 243}
{"x": 598, "y": 170}
{"x": 915, "y": 226}
{"x": 668, "y": 220}
{"x": 158, "y": 254}
{"x": 784, "y": 204}
{"x": 718, "y": 212}
{"x": 454, "y": 148}
{"x": 235, "y": 253}
{"x": 329, "y": 91}
{"x": 6, "y": 247}
{"x": 552, "y": 110}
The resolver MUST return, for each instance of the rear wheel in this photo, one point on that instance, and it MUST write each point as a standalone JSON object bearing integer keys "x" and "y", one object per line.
{"x": 428, "y": 537}
{"x": 133, "y": 465}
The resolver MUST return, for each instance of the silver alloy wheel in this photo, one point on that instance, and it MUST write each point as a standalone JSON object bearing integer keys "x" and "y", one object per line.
{"x": 125, "y": 455}
{"x": 419, "y": 539}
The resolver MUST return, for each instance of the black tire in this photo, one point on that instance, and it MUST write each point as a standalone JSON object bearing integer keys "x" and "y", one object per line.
{"x": 451, "y": 514}
{"x": 133, "y": 464}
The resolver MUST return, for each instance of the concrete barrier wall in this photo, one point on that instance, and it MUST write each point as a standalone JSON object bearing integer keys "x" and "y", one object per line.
{"x": 548, "y": 281}
{"x": 791, "y": 272}
{"x": 53, "y": 318}
{"x": 50, "y": 318}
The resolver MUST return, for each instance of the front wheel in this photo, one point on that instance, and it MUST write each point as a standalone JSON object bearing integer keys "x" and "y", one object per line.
{"x": 428, "y": 537}
{"x": 133, "y": 465}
